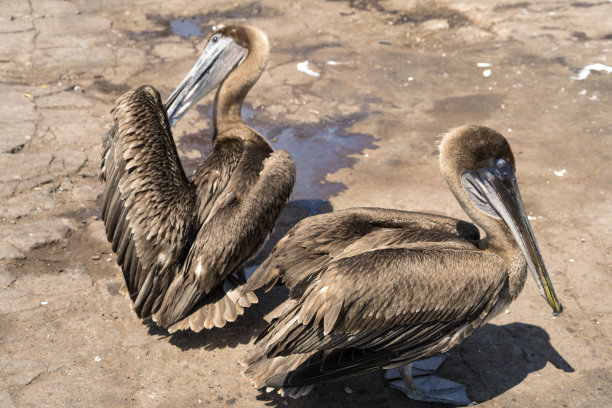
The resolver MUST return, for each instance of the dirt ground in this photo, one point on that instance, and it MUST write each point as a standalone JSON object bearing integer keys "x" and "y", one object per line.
{"x": 384, "y": 78}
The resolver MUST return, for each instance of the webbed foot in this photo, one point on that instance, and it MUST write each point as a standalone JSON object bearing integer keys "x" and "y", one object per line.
{"x": 417, "y": 381}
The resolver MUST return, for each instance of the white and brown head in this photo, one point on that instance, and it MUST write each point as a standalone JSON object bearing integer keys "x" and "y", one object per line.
{"x": 479, "y": 167}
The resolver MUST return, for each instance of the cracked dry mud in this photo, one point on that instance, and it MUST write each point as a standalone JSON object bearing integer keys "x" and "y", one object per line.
{"x": 392, "y": 76}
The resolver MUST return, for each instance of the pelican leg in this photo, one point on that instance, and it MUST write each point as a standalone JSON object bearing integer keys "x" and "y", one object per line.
{"x": 417, "y": 381}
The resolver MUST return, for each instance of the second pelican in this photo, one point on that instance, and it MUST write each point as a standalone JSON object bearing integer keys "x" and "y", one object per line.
{"x": 374, "y": 288}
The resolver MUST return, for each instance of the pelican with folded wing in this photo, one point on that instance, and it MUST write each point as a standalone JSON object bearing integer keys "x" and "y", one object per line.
{"x": 373, "y": 288}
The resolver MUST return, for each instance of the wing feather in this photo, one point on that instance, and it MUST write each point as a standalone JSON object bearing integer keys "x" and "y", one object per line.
{"x": 315, "y": 241}
{"x": 148, "y": 202}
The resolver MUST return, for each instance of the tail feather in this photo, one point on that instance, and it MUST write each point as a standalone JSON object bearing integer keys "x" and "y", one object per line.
{"x": 223, "y": 304}
{"x": 272, "y": 372}
{"x": 295, "y": 392}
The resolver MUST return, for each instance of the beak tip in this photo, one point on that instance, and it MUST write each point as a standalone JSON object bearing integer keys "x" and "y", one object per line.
{"x": 558, "y": 311}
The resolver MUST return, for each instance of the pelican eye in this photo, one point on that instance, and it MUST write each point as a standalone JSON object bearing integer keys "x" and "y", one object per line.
{"x": 500, "y": 163}
{"x": 215, "y": 38}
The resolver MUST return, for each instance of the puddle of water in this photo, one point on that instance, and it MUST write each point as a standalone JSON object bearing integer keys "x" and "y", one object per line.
{"x": 170, "y": 25}
{"x": 185, "y": 27}
{"x": 318, "y": 149}
{"x": 195, "y": 25}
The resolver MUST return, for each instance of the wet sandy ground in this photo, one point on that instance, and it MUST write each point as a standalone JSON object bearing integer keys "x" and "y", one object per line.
{"x": 383, "y": 79}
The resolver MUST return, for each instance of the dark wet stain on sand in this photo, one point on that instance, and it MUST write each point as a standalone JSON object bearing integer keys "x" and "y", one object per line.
{"x": 456, "y": 110}
{"x": 433, "y": 12}
{"x": 363, "y": 4}
{"x": 512, "y": 6}
{"x": 318, "y": 149}
{"x": 421, "y": 12}
{"x": 107, "y": 87}
{"x": 583, "y": 4}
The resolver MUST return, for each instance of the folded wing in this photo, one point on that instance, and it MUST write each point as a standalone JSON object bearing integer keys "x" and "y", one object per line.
{"x": 371, "y": 291}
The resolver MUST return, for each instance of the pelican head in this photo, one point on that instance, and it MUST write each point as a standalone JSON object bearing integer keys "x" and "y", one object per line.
{"x": 479, "y": 167}
{"x": 223, "y": 52}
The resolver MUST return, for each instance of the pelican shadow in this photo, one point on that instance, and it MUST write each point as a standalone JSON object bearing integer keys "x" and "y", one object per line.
{"x": 233, "y": 334}
{"x": 492, "y": 361}
{"x": 500, "y": 357}
{"x": 242, "y": 331}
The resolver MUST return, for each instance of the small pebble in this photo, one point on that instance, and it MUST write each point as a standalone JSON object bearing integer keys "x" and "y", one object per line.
{"x": 348, "y": 390}
{"x": 95, "y": 258}
{"x": 43, "y": 303}
{"x": 571, "y": 260}
{"x": 97, "y": 359}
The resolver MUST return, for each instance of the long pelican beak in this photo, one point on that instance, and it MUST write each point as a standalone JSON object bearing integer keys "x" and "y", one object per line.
{"x": 219, "y": 58}
{"x": 494, "y": 190}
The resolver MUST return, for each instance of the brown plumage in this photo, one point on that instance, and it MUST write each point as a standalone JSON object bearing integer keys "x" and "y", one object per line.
{"x": 182, "y": 243}
{"x": 374, "y": 288}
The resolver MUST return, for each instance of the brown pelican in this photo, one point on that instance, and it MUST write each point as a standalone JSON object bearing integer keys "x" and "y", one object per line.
{"x": 376, "y": 288}
{"x": 182, "y": 243}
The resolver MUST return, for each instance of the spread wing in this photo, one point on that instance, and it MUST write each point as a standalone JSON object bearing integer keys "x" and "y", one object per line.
{"x": 233, "y": 230}
{"x": 148, "y": 203}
